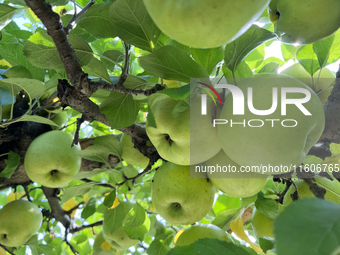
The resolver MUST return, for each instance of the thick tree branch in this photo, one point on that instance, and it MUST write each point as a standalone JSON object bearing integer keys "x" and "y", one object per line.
{"x": 54, "y": 26}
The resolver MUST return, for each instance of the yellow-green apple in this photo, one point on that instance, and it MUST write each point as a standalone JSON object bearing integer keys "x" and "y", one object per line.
{"x": 200, "y": 231}
{"x": 306, "y": 21}
{"x": 187, "y": 139}
{"x": 274, "y": 126}
{"x": 19, "y": 220}
{"x": 100, "y": 246}
{"x": 130, "y": 154}
{"x": 50, "y": 160}
{"x": 178, "y": 198}
{"x": 322, "y": 81}
{"x": 119, "y": 239}
{"x": 60, "y": 118}
{"x": 262, "y": 225}
{"x": 304, "y": 191}
{"x": 205, "y": 23}
{"x": 232, "y": 181}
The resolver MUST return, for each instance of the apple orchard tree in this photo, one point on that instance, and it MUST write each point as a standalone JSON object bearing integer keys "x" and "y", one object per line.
{"x": 106, "y": 72}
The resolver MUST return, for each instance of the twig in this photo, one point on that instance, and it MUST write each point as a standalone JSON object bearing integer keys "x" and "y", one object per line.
{"x": 73, "y": 208}
{"x": 98, "y": 223}
{"x": 281, "y": 195}
{"x": 69, "y": 245}
{"x": 76, "y": 16}
{"x": 6, "y": 249}
{"x": 27, "y": 193}
{"x": 76, "y": 135}
{"x": 106, "y": 185}
{"x": 315, "y": 189}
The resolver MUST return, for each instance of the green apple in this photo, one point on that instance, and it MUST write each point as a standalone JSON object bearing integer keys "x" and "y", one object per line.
{"x": 19, "y": 220}
{"x": 178, "y": 198}
{"x": 131, "y": 155}
{"x": 100, "y": 245}
{"x": 304, "y": 21}
{"x": 205, "y": 23}
{"x": 51, "y": 161}
{"x": 61, "y": 118}
{"x": 275, "y": 141}
{"x": 322, "y": 81}
{"x": 118, "y": 239}
{"x": 234, "y": 184}
{"x": 195, "y": 232}
{"x": 262, "y": 225}
{"x": 304, "y": 191}
{"x": 187, "y": 139}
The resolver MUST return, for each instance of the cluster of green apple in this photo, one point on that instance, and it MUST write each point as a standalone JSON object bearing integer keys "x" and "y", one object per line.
{"x": 19, "y": 220}
{"x": 208, "y": 24}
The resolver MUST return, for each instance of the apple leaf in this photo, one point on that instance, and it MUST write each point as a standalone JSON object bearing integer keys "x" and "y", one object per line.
{"x": 33, "y": 118}
{"x": 41, "y": 51}
{"x": 120, "y": 110}
{"x": 135, "y": 217}
{"x": 266, "y": 243}
{"x": 224, "y": 202}
{"x": 208, "y": 58}
{"x": 289, "y": 51}
{"x": 6, "y": 14}
{"x": 242, "y": 71}
{"x": 6, "y": 97}
{"x": 97, "y": 69}
{"x": 88, "y": 211}
{"x": 322, "y": 49}
{"x": 311, "y": 224}
{"x": 236, "y": 51}
{"x": 109, "y": 199}
{"x": 224, "y": 218}
{"x": 308, "y": 59}
{"x": 182, "y": 106}
{"x": 172, "y": 63}
{"x": 140, "y": 231}
{"x": 89, "y": 174}
{"x": 177, "y": 93}
{"x": 34, "y": 88}
{"x": 111, "y": 142}
{"x": 113, "y": 218}
{"x": 133, "y": 24}
{"x": 209, "y": 246}
{"x": 335, "y": 49}
{"x": 335, "y": 148}
{"x": 160, "y": 245}
{"x": 12, "y": 162}
{"x": 96, "y": 21}
{"x": 95, "y": 152}
{"x": 271, "y": 67}
{"x": 267, "y": 206}
{"x": 74, "y": 191}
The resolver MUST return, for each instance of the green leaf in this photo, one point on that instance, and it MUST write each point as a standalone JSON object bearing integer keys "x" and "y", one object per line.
{"x": 34, "y": 88}
{"x": 5, "y": 97}
{"x": 322, "y": 49}
{"x": 308, "y": 59}
{"x": 88, "y": 174}
{"x": 12, "y": 162}
{"x": 266, "y": 243}
{"x": 335, "y": 148}
{"x": 267, "y": 206}
{"x": 74, "y": 191}
{"x": 242, "y": 71}
{"x": 97, "y": 153}
{"x": 223, "y": 219}
{"x": 111, "y": 142}
{"x": 133, "y": 24}
{"x": 112, "y": 57}
{"x": 113, "y": 218}
{"x": 309, "y": 226}
{"x": 209, "y": 246}
{"x": 109, "y": 199}
{"x": 88, "y": 211}
{"x": 18, "y": 71}
{"x": 41, "y": 51}
{"x": 97, "y": 69}
{"x": 236, "y": 51}
{"x": 160, "y": 245}
{"x": 140, "y": 231}
{"x": 208, "y": 58}
{"x": 120, "y": 110}
{"x": 270, "y": 68}
{"x": 135, "y": 217}
{"x": 335, "y": 50}
{"x": 6, "y": 15}
{"x": 289, "y": 51}
{"x": 224, "y": 202}
{"x": 177, "y": 93}
{"x": 34, "y": 118}
{"x": 96, "y": 21}
{"x": 172, "y": 63}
